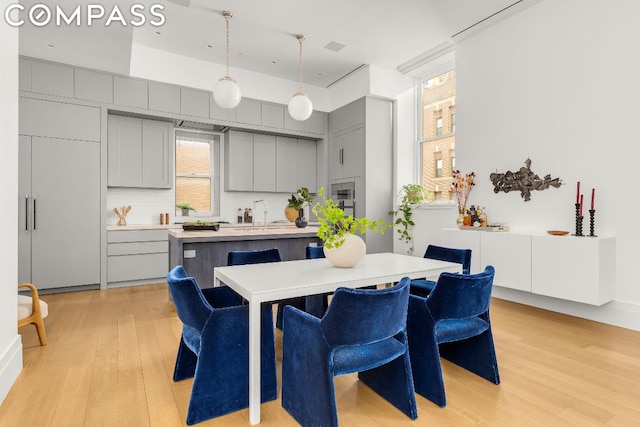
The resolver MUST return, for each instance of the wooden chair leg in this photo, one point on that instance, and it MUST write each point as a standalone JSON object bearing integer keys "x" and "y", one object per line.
{"x": 42, "y": 335}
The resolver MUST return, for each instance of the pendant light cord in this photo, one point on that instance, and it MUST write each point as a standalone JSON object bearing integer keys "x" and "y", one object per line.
{"x": 300, "y": 38}
{"x": 227, "y": 17}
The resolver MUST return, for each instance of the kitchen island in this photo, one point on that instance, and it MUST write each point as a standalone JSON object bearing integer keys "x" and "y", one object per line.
{"x": 200, "y": 251}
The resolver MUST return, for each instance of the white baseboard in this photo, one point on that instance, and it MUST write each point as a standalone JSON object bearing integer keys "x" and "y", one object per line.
{"x": 616, "y": 313}
{"x": 10, "y": 366}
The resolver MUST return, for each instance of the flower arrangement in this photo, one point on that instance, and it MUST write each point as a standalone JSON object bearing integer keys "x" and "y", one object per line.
{"x": 462, "y": 186}
{"x": 300, "y": 199}
{"x": 334, "y": 224}
{"x": 411, "y": 195}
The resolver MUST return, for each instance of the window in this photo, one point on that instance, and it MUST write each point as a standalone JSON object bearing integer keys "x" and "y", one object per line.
{"x": 437, "y": 133}
{"x": 197, "y": 177}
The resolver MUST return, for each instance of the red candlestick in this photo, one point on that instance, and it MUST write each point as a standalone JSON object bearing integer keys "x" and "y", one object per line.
{"x": 593, "y": 196}
{"x": 581, "y": 199}
{"x": 578, "y": 193}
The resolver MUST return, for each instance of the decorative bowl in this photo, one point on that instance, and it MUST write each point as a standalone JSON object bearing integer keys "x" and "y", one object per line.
{"x": 557, "y": 232}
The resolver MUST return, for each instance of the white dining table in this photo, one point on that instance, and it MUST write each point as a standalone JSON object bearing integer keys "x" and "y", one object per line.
{"x": 259, "y": 283}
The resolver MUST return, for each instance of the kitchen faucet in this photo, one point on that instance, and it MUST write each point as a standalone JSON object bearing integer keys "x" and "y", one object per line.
{"x": 265, "y": 210}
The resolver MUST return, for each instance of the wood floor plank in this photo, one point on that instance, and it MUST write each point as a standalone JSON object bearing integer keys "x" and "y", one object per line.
{"x": 110, "y": 356}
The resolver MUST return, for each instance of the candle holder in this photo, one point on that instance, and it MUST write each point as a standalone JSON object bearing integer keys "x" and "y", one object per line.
{"x": 592, "y": 214}
{"x": 579, "y": 219}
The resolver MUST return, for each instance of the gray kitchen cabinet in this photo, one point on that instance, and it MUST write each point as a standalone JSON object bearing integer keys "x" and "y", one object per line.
{"x": 130, "y": 92}
{"x": 164, "y": 97}
{"x": 348, "y": 116}
{"x": 238, "y": 155}
{"x": 136, "y": 255}
{"x": 296, "y": 165}
{"x": 52, "y": 79}
{"x": 347, "y": 154}
{"x": 287, "y": 164}
{"x": 94, "y": 86}
{"x": 24, "y": 74}
{"x": 264, "y": 162}
{"x": 249, "y": 111}
{"x": 306, "y": 165}
{"x": 314, "y": 124}
{"x": 139, "y": 153}
{"x": 59, "y": 212}
{"x": 59, "y": 120}
{"x": 218, "y": 113}
{"x": 272, "y": 115}
{"x": 194, "y": 102}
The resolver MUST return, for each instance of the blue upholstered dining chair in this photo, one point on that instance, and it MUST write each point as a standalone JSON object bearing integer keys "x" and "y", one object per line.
{"x": 214, "y": 348}
{"x": 452, "y": 322}
{"x": 423, "y": 287}
{"x": 362, "y": 331}
{"x": 258, "y": 257}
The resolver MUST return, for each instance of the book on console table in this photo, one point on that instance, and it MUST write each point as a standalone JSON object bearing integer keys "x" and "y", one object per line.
{"x": 487, "y": 228}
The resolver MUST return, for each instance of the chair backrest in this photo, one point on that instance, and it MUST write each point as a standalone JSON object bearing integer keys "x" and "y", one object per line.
{"x": 440, "y": 253}
{"x": 361, "y": 316}
{"x": 191, "y": 306}
{"x": 313, "y": 252}
{"x": 253, "y": 257}
{"x": 461, "y": 296}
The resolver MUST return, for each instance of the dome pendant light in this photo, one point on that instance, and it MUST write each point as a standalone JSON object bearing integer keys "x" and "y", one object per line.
{"x": 226, "y": 92}
{"x": 300, "y": 106}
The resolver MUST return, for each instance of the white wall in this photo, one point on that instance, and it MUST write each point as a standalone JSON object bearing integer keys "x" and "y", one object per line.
{"x": 557, "y": 83}
{"x": 10, "y": 343}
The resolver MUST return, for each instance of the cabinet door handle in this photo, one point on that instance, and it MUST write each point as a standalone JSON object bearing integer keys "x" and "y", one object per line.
{"x": 26, "y": 214}
{"x": 34, "y": 213}
{"x": 342, "y": 156}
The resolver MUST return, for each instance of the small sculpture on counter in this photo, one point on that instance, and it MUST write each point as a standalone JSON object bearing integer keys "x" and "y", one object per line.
{"x": 524, "y": 180}
{"x": 122, "y": 212}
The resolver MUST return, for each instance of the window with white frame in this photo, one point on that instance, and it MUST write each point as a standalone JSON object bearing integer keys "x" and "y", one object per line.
{"x": 436, "y": 136}
{"x": 197, "y": 174}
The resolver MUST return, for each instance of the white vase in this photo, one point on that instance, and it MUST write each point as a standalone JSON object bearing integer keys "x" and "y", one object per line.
{"x": 349, "y": 253}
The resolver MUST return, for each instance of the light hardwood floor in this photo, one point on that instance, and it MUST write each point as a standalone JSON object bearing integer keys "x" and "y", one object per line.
{"x": 110, "y": 358}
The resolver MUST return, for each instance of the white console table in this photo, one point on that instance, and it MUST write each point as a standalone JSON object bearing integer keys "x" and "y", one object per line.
{"x": 581, "y": 269}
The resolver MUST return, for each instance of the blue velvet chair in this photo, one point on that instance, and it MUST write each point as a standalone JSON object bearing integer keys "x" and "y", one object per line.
{"x": 363, "y": 331}
{"x": 423, "y": 287}
{"x": 214, "y": 348}
{"x": 452, "y": 322}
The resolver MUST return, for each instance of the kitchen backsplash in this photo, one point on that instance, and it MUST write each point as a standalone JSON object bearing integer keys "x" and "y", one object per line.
{"x": 147, "y": 204}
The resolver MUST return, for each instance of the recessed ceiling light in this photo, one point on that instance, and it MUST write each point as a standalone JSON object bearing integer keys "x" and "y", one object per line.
{"x": 335, "y": 46}
{"x": 319, "y": 74}
{"x": 273, "y": 62}
{"x": 209, "y": 46}
{"x": 158, "y": 32}
{"x": 50, "y": 45}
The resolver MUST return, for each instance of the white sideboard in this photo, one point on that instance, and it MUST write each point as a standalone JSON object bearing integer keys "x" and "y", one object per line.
{"x": 580, "y": 269}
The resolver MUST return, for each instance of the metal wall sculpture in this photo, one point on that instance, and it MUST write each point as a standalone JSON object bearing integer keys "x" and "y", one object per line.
{"x": 524, "y": 181}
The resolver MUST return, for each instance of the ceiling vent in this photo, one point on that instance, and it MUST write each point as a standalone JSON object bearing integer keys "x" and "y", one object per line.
{"x": 335, "y": 46}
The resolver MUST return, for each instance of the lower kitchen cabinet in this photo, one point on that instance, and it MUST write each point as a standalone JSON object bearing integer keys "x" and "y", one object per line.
{"x": 137, "y": 256}
{"x": 59, "y": 212}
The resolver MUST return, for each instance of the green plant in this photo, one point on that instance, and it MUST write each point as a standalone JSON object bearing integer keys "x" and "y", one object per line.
{"x": 185, "y": 206}
{"x": 301, "y": 198}
{"x": 334, "y": 224}
{"x": 411, "y": 195}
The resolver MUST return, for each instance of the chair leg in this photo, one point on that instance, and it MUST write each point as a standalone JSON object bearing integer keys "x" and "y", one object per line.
{"x": 42, "y": 335}
{"x": 476, "y": 354}
{"x": 186, "y": 361}
{"x": 394, "y": 382}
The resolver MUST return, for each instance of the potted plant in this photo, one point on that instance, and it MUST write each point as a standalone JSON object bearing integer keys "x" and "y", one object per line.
{"x": 297, "y": 202}
{"x": 342, "y": 246}
{"x": 185, "y": 207}
{"x": 411, "y": 195}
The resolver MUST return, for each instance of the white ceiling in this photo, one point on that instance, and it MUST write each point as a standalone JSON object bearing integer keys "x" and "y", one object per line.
{"x": 377, "y": 32}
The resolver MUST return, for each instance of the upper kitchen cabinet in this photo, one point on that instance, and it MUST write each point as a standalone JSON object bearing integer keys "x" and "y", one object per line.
{"x": 164, "y": 97}
{"x": 194, "y": 102}
{"x": 59, "y": 120}
{"x": 348, "y": 116}
{"x": 52, "y": 79}
{"x": 139, "y": 153}
{"x": 296, "y": 165}
{"x": 250, "y": 162}
{"x": 130, "y": 92}
{"x": 218, "y": 113}
{"x": 264, "y": 162}
{"x": 94, "y": 86}
{"x": 272, "y": 115}
{"x": 24, "y": 74}
{"x": 249, "y": 111}
{"x": 314, "y": 124}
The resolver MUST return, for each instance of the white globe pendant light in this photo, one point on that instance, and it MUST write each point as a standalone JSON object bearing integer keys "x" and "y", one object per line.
{"x": 300, "y": 106}
{"x": 226, "y": 92}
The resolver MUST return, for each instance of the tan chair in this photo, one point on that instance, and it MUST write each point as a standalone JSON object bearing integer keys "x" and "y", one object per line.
{"x": 32, "y": 310}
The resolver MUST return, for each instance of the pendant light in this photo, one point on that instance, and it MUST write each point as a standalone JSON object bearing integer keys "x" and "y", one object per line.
{"x": 226, "y": 92}
{"x": 300, "y": 106}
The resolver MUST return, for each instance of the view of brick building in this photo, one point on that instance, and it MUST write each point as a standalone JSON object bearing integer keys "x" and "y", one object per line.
{"x": 193, "y": 174}
{"x": 438, "y": 135}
